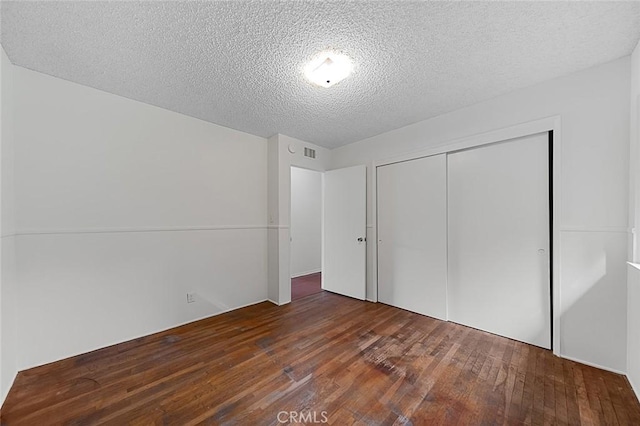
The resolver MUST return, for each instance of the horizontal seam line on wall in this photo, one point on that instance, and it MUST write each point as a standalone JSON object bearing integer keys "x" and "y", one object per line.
{"x": 231, "y": 227}
{"x": 622, "y": 230}
{"x": 131, "y": 230}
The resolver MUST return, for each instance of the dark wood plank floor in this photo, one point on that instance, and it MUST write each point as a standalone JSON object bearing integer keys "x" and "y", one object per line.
{"x": 305, "y": 285}
{"x": 351, "y": 361}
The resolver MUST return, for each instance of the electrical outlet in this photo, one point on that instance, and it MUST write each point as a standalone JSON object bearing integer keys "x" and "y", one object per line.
{"x": 191, "y": 297}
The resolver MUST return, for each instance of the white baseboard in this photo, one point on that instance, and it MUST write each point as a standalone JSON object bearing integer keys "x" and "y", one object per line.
{"x": 593, "y": 364}
{"x": 190, "y": 321}
{"x": 3, "y": 397}
{"x": 302, "y": 274}
{"x": 246, "y": 305}
{"x": 636, "y": 389}
{"x": 139, "y": 336}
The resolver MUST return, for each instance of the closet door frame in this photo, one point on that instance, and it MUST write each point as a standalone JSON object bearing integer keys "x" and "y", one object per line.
{"x": 550, "y": 124}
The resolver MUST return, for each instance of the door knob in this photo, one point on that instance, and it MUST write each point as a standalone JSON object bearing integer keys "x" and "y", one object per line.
{"x": 360, "y": 239}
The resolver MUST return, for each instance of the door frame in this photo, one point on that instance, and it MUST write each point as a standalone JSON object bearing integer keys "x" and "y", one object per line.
{"x": 548, "y": 124}
{"x": 282, "y": 153}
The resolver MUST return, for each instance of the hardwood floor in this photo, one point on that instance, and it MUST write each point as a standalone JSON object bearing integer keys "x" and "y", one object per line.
{"x": 351, "y": 361}
{"x": 305, "y": 285}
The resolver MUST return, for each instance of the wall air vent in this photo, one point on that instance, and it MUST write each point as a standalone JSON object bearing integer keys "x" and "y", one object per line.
{"x": 311, "y": 153}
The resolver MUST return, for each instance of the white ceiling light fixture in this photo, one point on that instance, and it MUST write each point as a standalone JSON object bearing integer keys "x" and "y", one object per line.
{"x": 328, "y": 68}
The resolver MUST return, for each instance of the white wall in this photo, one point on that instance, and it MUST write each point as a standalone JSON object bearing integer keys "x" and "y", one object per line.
{"x": 633, "y": 282}
{"x": 306, "y": 221}
{"x": 3, "y": 119}
{"x": 594, "y": 109}
{"x": 633, "y": 351}
{"x": 8, "y": 284}
{"x": 122, "y": 208}
{"x": 634, "y": 153}
{"x": 280, "y": 160}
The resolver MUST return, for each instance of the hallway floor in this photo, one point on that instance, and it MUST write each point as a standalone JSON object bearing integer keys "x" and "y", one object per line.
{"x": 305, "y": 285}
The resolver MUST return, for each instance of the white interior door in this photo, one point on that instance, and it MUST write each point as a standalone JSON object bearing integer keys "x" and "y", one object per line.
{"x": 344, "y": 248}
{"x": 499, "y": 264}
{"x": 412, "y": 235}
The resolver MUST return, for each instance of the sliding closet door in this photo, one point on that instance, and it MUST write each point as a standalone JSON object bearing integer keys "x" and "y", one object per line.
{"x": 412, "y": 238}
{"x": 499, "y": 277}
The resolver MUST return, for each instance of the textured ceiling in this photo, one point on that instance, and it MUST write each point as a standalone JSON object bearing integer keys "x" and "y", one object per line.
{"x": 239, "y": 64}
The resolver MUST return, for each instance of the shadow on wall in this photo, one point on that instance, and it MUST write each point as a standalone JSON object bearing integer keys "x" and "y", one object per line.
{"x": 593, "y": 317}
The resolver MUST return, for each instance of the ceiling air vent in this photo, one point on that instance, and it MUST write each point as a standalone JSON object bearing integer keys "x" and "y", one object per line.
{"x": 311, "y": 153}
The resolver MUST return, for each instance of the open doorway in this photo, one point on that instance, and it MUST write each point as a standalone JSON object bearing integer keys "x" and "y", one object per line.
{"x": 306, "y": 232}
